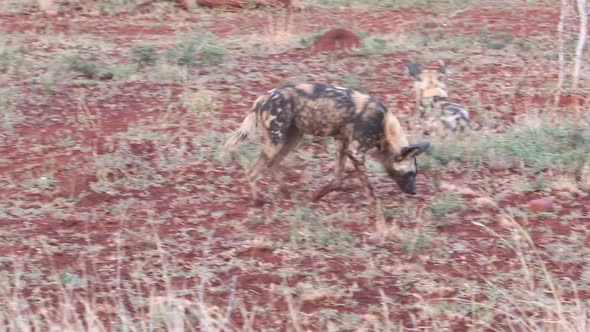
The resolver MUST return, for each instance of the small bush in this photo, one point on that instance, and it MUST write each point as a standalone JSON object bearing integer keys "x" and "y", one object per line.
{"x": 374, "y": 46}
{"x": 445, "y": 204}
{"x": 144, "y": 55}
{"x": 192, "y": 49}
{"x": 310, "y": 39}
{"x": 495, "y": 42}
{"x": 9, "y": 114}
{"x": 352, "y": 82}
{"x": 11, "y": 56}
{"x": 89, "y": 66}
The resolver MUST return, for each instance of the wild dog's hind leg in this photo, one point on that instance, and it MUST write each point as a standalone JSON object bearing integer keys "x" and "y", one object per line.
{"x": 293, "y": 137}
{"x": 336, "y": 182}
{"x": 269, "y": 151}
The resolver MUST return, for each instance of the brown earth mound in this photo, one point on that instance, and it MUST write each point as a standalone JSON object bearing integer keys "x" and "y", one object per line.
{"x": 336, "y": 39}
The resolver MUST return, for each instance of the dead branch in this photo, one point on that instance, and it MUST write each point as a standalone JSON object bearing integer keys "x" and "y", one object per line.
{"x": 583, "y": 31}
{"x": 243, "y": 3}
{"x": 561, "y": 59}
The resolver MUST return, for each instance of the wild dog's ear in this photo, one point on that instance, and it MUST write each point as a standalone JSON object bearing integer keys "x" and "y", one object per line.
{"x": 414, "y": 70}
{"x": 414, "y": 150}
{"x": 443, "y": 67}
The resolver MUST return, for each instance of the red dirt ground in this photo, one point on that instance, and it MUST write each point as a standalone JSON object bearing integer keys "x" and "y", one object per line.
{"x": 75, "y": 171}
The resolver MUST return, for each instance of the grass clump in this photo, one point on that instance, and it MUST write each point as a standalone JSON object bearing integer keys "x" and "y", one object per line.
{"x": 350, "y": 81}
{"x": 9, "y": 114}
{"x": 375, "y": 46}
{"x": 10, "y": 57}
{"x": 447, "y": 203}
{"x": 536, "y": 143}
{"x": 308, "y": 40}
{"x": 144, "y": 55}
{"x": 89, "y": 65}
{"x": 197, "y": 49}
{"x": 495, "y": 42}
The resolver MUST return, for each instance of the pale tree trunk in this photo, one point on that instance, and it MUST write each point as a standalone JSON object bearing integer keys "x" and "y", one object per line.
{"x": 583, "y": 13}
{"x": 561, "y": 59}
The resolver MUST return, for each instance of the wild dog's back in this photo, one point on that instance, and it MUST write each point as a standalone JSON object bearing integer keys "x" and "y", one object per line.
{"x": 323, "y": 110}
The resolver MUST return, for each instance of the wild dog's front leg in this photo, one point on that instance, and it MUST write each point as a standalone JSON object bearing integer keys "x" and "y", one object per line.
{"x": 358, "y": 159}
{"x": 336, "y": 182}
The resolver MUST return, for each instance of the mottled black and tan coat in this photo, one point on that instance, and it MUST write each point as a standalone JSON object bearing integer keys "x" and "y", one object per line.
{"x": 438, "y": 115}
{"x": 357, "y": 122}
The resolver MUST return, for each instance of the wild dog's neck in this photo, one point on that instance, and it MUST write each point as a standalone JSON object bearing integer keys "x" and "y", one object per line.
{"x": 394, "y": 137}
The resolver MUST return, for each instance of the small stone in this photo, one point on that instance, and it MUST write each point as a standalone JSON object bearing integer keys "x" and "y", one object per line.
{"x": 541, "y": 205}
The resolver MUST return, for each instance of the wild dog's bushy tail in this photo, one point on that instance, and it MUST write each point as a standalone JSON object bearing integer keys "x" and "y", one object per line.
{"x": 241, "y": 134}
{"x": 245, "y": 129}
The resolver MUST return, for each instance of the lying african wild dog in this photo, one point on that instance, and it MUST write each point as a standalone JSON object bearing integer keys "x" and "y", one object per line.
{"x": 431, "y": 100}
{"x": 356, "y": 121}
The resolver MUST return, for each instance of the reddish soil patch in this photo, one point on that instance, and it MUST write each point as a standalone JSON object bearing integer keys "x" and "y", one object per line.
{"x": 539, "y": 21}
{"x": 199, "y": 208}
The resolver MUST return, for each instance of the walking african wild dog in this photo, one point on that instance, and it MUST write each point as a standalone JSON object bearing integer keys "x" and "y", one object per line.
{"x": 356, "y": 121}
{"x": 436, "y": 111}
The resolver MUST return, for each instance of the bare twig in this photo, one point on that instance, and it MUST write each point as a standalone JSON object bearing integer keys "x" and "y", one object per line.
{"x": 561, "y": 59}
{"x": 243, "y": 3}
{"x": 462, "y": 10}
{"x": 583, "y": 31}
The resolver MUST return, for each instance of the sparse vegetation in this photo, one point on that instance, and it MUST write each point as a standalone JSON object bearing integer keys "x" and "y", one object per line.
{"x": 195, "y": 48}
{"x": 496, "y": 41}
{"x": 144, "y": 55}
{"x": 351, "y": 81}
{"x": 118, "y": 215}
{"x": 375, "y": 46}
{"x": 536, "y": 143}
{"x": 89, "y": 65}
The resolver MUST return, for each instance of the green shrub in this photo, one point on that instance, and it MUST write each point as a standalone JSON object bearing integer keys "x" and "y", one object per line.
{"x": 495, "y": 42}
{"x": 88, "y": 65}
{"x": 193, "y": 48}
{"x": 144, "y": 55}
{"x": 352, "y": 82}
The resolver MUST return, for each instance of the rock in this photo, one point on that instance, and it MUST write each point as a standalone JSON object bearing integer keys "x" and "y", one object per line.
{"x": 336, "y": 39}
{"x": 541, "y": 205}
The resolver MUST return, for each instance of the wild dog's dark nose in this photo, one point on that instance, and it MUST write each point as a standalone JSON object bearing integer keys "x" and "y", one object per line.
{"x": 410, "y": 190}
